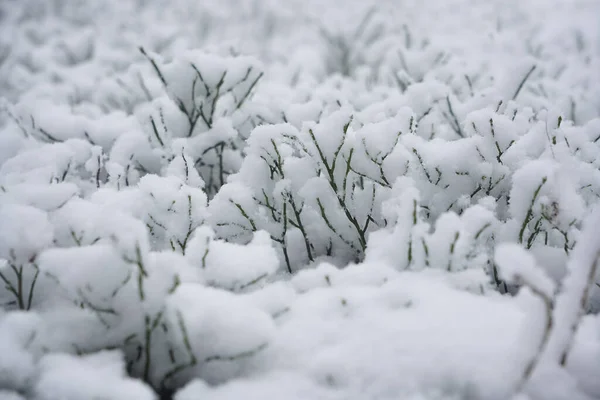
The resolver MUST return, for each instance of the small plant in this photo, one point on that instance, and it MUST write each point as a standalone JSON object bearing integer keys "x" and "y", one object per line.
{"x": 204, "y": 89}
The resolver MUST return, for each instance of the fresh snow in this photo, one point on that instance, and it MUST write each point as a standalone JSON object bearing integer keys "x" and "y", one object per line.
{"x": 300, "y": 199}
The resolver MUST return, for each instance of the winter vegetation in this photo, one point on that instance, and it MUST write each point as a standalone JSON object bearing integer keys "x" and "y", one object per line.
{"x": 299, "y": 200}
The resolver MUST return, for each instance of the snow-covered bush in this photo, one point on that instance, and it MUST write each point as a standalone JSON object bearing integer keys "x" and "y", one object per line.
{"x": 102, "y": 272}
{"x": 560, "y": 313}
{"x": 321, "y": 190}
{"x": 188, "y": 117}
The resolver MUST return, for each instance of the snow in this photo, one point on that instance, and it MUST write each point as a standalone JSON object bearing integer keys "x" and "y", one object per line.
{"x": 17, "y": 367}
{"x": 233, "y": 266}
{"x": 98, "y": 375}
{"x": 221, "y": 338}
{"x": 323, "y": 335}
{"x": 518, "y": 266}
{"x": 25, "y": 231}
{"x": 299, "y": 200}
{"x": 582, "y": 270}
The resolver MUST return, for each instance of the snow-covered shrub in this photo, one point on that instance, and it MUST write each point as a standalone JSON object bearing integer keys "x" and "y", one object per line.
{"x": 456, "y": 243}
{"x": 204, "y": 88}
{"x": 189, "y": 117}
{"x": 560, "y": 312}
{"x": 135, "y": 299}
{"x": 29, "y": 370}
{"x": 319, "y": 190}
{"x": 25, "y": 232}
{"x": 278, "y": 190}
{"x": 171, "y": 207}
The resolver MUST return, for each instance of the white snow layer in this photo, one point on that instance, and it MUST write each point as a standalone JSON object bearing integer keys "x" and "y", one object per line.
{"x": 300, "y": 199}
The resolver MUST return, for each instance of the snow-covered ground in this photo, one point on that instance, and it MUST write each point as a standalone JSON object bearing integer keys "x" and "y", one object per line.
{"x": 299, "y": 199}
